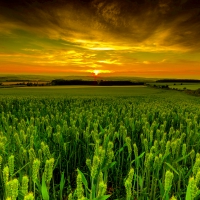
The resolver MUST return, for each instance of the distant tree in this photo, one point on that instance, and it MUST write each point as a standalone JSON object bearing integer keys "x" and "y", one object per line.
{"x": 29, "y": 84}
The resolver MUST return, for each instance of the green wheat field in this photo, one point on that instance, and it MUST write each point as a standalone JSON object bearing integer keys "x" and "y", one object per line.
{"x": 98, "y": 143}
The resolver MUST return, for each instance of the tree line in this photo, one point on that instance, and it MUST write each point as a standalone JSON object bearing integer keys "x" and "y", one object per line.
{"x": 98, "y": 82}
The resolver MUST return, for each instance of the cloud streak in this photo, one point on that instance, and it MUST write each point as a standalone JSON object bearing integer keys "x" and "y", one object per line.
{"x": 99, "y": 33}
{"x": 164, "y": 23}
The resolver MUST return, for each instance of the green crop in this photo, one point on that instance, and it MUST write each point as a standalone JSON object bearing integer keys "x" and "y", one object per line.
{"x": 99, "y": 148}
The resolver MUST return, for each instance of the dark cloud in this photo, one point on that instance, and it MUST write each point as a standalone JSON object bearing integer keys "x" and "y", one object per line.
{"x": 173, "y": 24}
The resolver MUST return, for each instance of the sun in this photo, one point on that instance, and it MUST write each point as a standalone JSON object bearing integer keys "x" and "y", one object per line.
{"x": 96, "y": 72}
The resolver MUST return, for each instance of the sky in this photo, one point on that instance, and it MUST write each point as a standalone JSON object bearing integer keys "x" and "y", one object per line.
{"x": 138, "y": 38}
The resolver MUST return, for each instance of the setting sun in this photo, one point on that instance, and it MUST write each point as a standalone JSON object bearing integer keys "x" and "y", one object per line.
{"x": 96, "y": 72}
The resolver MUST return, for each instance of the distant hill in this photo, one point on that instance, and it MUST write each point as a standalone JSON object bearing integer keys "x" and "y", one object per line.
{"x": 18, "y": 78}
{"x": 49, "y": 78}
{"x": 178, "y": 81}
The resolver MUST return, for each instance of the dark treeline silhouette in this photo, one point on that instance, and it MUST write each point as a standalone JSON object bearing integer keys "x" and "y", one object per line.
{"x": 119, "y": 83}
{"x": 178, "y": 80}
{"x": 72, "y": 82}
{"x": 99, "y": 82}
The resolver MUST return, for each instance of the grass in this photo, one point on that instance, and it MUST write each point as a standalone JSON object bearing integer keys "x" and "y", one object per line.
{"x": 180, "y": 86}
{"x": 57, "y": 91}
{"x": 81, "y": 91}
{"x": 99, "y": 143}
{"x": 186, "y": 86}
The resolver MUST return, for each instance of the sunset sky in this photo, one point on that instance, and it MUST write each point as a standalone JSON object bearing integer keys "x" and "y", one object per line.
{"x": 140, "y": 38}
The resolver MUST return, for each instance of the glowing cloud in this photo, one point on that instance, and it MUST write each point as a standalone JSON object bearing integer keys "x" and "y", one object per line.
{"x": 129, "y": 38}
{"x": 96, "y": 72}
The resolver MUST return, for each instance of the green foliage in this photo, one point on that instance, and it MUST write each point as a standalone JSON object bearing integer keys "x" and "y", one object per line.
{"x": 87, "y": 148}
{"x": 45, "y": 194}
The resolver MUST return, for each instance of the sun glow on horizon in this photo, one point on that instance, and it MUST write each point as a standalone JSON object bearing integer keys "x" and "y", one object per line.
{"x": 96, "y": 72}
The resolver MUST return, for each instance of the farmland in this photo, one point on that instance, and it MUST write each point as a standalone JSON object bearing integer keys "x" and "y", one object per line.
{"x": 186, "y": 86}
{"x": 178, "y": 85}
{"x": 99, "y": 143}
{"x": 87, "y": 91}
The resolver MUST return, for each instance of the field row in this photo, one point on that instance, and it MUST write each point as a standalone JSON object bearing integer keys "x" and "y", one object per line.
{"x": 99, "y": 148}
